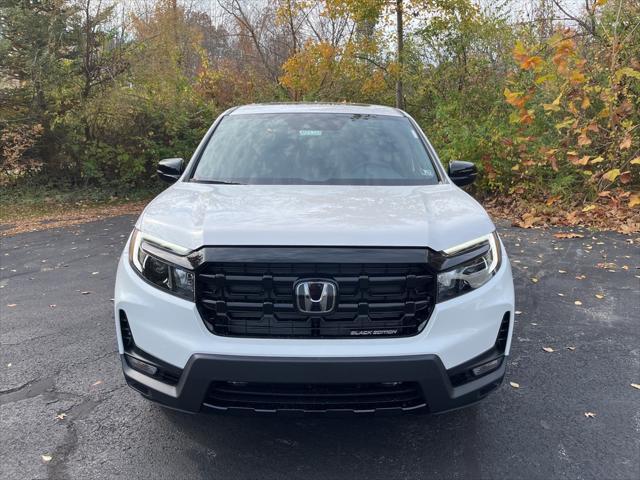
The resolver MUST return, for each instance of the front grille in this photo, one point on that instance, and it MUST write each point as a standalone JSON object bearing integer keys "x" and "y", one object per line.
{"x": 257, "y": 299}
{"x": 275, "y": 397}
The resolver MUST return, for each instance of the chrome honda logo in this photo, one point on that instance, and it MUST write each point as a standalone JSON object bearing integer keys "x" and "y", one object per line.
{"x": 316, "y": 296}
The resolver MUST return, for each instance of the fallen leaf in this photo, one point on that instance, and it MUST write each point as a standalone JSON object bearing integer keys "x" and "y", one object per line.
{"x": 611, "y": 175}
{"x": 589, "y": 414}
{"x": 46, "y": 458}
{"x": 548, "y": 349}
{"x": 578, "y": 302}
{"x": 599, "y": 296}
{"x": 85, "y": 293}
{"x": 625, "y": 177}
{"x": 95, "y": 273}
{"x": 588, "y": 208}
{"x": 53, "y": 305}
{"x": 61, "y": 416}
{"x": 571, "y": 348}
{"x": 11, "y": 305}
{"x": 534, "y": 279}
{"x": 96, "y": 383}
{"x": 571, "y": 234}
{"x": 607, "y": 265}
{"x": 625, "y": 143}
{"x": 518, "y": 312}
{"x": 528, "y": 220}
{"x": 636, "y": 385}
{"x": 562, "y": 271}
{"x": 561, "y": 294}
{"x": 514, "y": 384}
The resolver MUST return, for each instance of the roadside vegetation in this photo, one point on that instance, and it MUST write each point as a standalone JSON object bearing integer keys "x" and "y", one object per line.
{"x": 543, "y": 96}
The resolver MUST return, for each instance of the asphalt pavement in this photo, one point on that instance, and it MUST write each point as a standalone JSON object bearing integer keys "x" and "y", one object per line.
{"x": 65, "y": 411}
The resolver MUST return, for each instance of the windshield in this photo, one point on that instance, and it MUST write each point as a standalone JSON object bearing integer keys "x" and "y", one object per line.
{"x": 305, "y": 148}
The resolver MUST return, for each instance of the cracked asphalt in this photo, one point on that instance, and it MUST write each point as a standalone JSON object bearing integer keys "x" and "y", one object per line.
{"x": 63, "y": 395}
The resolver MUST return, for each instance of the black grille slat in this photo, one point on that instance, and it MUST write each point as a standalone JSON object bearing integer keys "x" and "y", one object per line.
{"x": 318, "y": 397}
{"x": 257, "y": 299}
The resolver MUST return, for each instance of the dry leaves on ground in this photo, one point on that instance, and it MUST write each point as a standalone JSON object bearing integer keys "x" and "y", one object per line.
{"x": 69, "y": 215}
{"x": 607, "y": 214}
{"x": 568, "y": 235}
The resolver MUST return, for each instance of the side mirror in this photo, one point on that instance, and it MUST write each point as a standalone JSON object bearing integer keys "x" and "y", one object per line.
{"x": 462, "y": 173}
{"x": 170, "y": 169}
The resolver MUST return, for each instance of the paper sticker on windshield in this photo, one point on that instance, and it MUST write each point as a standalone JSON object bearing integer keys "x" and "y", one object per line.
{"x": 310, "y": 133}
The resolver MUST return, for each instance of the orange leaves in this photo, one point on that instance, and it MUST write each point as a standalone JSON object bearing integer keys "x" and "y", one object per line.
{"x": 515, "y": 99}
{"x": 563, "y": 49}
{"x": 525, "y": 59}
{"x": 531, "y": 63}
{"x": 526, "y": 117}
{"x": 583, "y": 139}
{"x": 577, "y": 77}
{"x": 306, "y": 70}
{"x": 519, "y": 100}
{"x": 569, "y": 84}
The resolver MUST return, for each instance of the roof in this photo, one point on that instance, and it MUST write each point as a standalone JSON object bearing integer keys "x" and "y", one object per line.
{"x": 350, "y": 108}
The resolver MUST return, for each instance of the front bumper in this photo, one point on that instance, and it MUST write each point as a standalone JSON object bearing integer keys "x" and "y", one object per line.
{"x": 193, "y": 391}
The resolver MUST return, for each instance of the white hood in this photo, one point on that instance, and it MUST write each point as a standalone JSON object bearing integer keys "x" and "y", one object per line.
{"x": 193, "y": 215}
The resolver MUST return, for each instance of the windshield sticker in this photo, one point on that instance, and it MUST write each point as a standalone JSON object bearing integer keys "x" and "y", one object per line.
{"x": 310, "y": 133}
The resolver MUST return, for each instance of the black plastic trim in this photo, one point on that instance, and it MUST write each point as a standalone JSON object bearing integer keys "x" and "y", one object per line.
{"x": 441, "y": 262}
{"x": 202, "y": 369}
{"x": 437, "y": 261}
{"x": 296, "y": 254}
{"x": 166, "y": 372}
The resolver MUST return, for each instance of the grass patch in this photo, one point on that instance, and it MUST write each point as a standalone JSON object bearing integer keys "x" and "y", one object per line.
{"x": 19, "y": 203}
{"x": 26, "y": 209}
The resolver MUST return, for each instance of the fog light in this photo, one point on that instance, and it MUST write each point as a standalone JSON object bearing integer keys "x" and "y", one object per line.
{"x": 486, "y": 367}
{"x": 141, "y": 366}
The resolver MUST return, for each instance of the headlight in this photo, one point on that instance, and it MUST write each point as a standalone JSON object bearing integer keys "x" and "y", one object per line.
{"x": 146, "y": 256}
{"x": 473, "y": 273}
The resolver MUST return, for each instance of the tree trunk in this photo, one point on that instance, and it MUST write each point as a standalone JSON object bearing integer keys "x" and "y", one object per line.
{"x": 399, "y": 54}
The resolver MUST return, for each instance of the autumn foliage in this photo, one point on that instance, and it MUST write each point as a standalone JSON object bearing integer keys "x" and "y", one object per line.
{"x": 545, "y": 101}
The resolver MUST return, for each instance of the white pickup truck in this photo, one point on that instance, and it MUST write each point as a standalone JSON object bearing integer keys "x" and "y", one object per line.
{"x": 314, "y": 258}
